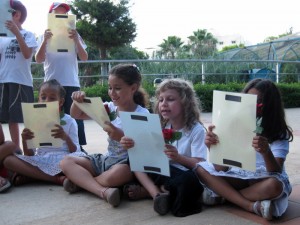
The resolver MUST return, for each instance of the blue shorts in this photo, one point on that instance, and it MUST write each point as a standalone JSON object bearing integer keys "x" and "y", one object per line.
{"x": 101, "y": 163}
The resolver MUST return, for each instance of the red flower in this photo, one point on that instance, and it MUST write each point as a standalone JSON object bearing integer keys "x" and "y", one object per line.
{"x": 259, "y": 108}
{"x": 106, "y": 108}
{"x": 112, "y": 115}
{"x": 170, "y": 135}
{"x": 167, "y": 134}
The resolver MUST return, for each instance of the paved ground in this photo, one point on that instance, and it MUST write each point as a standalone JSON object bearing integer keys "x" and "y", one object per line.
{"x": 49, "y": 204}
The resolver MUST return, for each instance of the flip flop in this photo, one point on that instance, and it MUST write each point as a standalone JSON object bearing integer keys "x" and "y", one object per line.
{"x": 4, "y": 187}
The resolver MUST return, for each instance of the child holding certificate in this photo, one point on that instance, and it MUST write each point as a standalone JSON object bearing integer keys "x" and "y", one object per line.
{"x": 43, "y": 163}
{"x": 63, "y": 65}
{"x": 178, "y": 109}
{"x": 15, "y": 71}
{"x": 265, "y": 191}
{"x": 102, "y": 174}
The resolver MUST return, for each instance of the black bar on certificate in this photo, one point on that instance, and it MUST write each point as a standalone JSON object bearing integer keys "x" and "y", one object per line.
{"x": 233, "y": 98}
{"x": 61, "y": 16}
{"x": 62, "y": 50}
{"x": 3, "y": 35}
{"x": 232, "y": 163}
{"x": 151, "y": 168}
{"x": 85, "y": 100}
{"x": 136, "y": 117}
{"x": 45, "y": 144}
{"x": 39, "y": 106}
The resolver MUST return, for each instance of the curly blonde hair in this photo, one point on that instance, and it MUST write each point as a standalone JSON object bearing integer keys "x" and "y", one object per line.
{"x": 189, "y": 100}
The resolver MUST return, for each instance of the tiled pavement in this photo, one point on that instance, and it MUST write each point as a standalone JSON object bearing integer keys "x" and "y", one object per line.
{"x": 50, "y": 204}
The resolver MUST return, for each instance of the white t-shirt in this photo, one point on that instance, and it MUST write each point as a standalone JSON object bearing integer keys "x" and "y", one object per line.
{"x": 191, "y": 144}
{"x": 114, "y": 147}
{"x": 62, "y": 66}
{"x": 14, "y": 68}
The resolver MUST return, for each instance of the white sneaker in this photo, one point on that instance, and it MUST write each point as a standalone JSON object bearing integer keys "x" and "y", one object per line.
{"x": 264, "y": 209}
{"x": 208, "y": 199}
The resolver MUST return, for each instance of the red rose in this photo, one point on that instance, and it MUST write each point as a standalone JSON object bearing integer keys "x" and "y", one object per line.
{"x": 259, "y": 108}
{"x": 167, "y": 133}
{"x": 106, "y": 108}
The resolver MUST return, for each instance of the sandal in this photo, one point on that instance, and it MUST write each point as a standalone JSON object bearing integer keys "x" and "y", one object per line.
{"x": 18, "y": 179}
{"x": 59, "y": 179}
{"x": 112, "y": 196}
{"x": 135, "y": 192}
{"x": 70, "y": 187}
{"x": 4, "y": 184}
{"x": 263, "y": 209}
{"x": 162, "y": 203}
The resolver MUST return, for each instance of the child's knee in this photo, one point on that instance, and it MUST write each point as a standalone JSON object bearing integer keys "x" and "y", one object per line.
{"x": 66, "y": 162}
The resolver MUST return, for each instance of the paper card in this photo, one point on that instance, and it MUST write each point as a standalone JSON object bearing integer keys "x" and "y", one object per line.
{"x": 60, "y": 24}
{"x": 94, "y": 108}
{"x": 41, "y": 118}
{"x": 5, "y": 14}
{"x": 147, "y": 155}
{"x": 234, "y": 115}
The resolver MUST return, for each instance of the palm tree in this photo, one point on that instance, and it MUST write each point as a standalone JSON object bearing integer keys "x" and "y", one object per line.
{"x": 202, "y": 44}
{"x": 170, "y": 47}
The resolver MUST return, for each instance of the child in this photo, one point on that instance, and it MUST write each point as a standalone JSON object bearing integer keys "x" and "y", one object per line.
{"x": 264, "y": 192}
{"x": 178, "y": 109}
{"x": 43, "y": 163}
{"x": 15, "y": 71}
{"x": 98, "y": 173}
{"x": 63, "y": 66}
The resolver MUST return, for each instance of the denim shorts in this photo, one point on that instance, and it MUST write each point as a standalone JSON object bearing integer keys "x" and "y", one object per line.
{"x": 101, "y": 163}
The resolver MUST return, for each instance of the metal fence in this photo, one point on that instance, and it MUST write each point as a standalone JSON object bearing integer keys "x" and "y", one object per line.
{"x": 198, "y": 71}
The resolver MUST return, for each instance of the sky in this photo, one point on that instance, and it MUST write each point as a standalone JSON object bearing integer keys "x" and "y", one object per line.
{"x": 254, "y": 20}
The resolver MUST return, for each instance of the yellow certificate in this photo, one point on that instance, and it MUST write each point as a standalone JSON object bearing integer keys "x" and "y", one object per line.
{"x": 60, "y": 25}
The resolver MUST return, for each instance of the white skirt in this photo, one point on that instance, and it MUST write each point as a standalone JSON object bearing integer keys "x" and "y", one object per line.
{"x": 49, "y": 162}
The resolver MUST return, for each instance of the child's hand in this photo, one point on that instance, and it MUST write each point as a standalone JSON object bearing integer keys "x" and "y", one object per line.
{"x": 59, "y": 132}
{"x": 47, "y": 34}
{"x": 171, "y": 152}
{"x": 113, "y": 132}
{"x": 211, "y": 138}
{"x": 260, "y": 144}
{"x": 126, "y": 142}
{"x": 27, "y": 134}
{"x": 78, "y": 96}
{"x": 74, "y": 35}
{"x": 10, "y": 25}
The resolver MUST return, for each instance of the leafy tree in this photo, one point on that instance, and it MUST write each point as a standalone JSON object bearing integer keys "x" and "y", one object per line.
{"x": 170, "y": 47}
{"x": 103, "y": 24}
{"x": 127, "y": 52}
{"x": 202, "y": 44}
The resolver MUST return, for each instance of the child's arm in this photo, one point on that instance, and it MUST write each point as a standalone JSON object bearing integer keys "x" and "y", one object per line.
{"x": 59, "y": 132}
{"x": 261, "y": 145}
{"x": 81, "y": 52}
{"x": 172, "y": 153}
{"x": 75, "y": 111}
{"x": 113, "y": 132}
{"x": 40, "y": 55}
{"x": 26, "y": 51}
{"x": 27, "y": 135}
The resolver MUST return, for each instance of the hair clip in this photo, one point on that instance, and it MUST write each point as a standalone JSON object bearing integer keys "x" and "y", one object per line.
{"x": 136, "y": 67}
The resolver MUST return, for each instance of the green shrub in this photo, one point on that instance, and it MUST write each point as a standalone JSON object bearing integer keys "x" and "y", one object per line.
{"x": 290, "y": 92}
